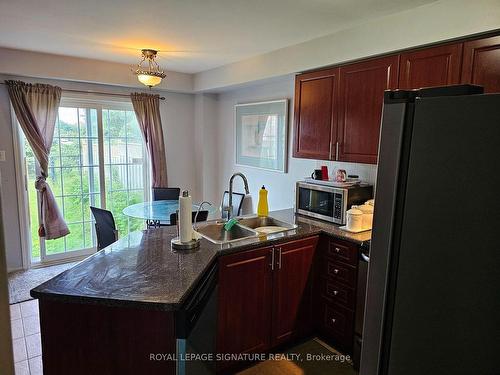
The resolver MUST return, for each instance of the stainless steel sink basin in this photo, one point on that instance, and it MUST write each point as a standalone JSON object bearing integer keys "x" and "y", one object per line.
{"x": 214, "y": 231}
{"x": 247, "y": 227}
{"x": 266, "y": 221}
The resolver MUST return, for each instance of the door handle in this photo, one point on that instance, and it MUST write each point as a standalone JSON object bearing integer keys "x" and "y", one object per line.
{"x": 272, "y": 259}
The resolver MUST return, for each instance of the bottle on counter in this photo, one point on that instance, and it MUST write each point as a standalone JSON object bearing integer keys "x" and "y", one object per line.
{"x": 262, "y": 206}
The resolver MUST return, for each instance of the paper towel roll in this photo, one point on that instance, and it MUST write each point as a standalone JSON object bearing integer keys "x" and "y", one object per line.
{"x": 185, "y": 224}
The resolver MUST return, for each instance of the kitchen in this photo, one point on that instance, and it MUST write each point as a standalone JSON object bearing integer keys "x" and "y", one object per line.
{"x": 253, "y": 295}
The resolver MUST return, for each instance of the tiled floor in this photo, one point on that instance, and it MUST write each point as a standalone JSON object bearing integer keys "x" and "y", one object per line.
{"x": 25, "y": 323}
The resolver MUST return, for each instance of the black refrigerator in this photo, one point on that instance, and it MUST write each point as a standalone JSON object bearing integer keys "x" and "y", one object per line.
{"x": 433, "y": 291}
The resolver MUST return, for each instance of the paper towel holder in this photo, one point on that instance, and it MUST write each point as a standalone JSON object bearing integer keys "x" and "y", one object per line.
{"x": 176, "y": 243}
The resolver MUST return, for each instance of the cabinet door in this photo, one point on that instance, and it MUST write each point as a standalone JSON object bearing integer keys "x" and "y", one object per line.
{"x": 481, "y": 63}
{"x": 437, "y": 66}
{"x": 361, "y": 95}
{"x": 314, "y": 121}
{"x": 245, "y": 300}
{"x": 292, "y": 290}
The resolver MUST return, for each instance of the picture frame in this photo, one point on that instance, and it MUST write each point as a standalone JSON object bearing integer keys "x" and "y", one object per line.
{"x": 261, "y": 135}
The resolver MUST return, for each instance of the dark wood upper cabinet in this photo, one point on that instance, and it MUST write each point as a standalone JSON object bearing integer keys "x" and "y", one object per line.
{"x": 245, "y": 294}
{"x": 292, "y": 290}
{"x": 361, "y": 92}
{"x": 436, "y": 66}
{"x": 481, "y": 63}
{"x": 315, "y": 122}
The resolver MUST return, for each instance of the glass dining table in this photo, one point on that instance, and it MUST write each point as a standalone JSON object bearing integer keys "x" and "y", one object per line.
{"x": 158, "y": 212}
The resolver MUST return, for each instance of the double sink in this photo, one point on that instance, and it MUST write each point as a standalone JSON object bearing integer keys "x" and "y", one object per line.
{"x": 247, "y": 227}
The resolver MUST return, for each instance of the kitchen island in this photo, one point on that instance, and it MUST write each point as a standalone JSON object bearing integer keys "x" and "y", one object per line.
{"x": 122, "y": 310}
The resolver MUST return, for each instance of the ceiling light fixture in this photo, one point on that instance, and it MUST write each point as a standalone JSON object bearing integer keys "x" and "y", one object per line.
{"x": 148, "y": 71}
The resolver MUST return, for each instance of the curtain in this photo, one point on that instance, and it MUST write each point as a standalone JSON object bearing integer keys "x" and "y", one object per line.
{"x": 36, "y": 108}
{"x": 147, "y": 111}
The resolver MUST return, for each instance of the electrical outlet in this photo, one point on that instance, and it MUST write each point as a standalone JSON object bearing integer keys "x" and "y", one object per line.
{"x": 2, "y": 155}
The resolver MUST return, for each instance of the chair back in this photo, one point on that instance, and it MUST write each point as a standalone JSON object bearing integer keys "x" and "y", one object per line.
{"x": 237, "y": 203}
{"x": 202, "y": 216}
{"x": 166, "y": 194}
{"x": 105, "y": 227}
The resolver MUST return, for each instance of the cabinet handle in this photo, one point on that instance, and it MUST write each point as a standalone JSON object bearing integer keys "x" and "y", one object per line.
{"x": 330, "y": 150}
{"x": 337, "y": 250}
{"x": 272, "y": 259}
{"x": 279, "y": 258}
{"x": 335, "y": 292}
{"x": 337, "y": 151}
{"x": 335, "y": 271}
{"x": 333, "y": 320}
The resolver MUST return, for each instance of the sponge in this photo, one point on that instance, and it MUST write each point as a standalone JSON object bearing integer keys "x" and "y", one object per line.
{"x": 230, "y": 224}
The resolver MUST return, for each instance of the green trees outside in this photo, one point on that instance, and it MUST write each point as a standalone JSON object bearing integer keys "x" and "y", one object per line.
{"x": 74, "y": 175}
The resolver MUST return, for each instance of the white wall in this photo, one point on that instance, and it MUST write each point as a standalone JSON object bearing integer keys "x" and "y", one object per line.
{"x": 206, "y": 145}
{"x": 77, "y": 69}
{"x": 177, "y": 113}
{"x": 426, "y": 24}
{"x": 280, "y": 185}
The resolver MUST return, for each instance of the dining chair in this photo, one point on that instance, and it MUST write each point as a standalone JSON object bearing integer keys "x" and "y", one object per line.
{"x": 166, "y": 194}
{"x": 237, "y": 203}
{"x": 105, "y": 227}
{"x": 202, "y": 216}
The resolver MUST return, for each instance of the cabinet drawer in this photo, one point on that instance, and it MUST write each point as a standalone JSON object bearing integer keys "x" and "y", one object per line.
{"x": 338, "y": 323}
{"x": 343, "y": 252}
{"x": 338, "y": 293}
{"x": 339, "y": 272}
{"x": 309, "y": 241}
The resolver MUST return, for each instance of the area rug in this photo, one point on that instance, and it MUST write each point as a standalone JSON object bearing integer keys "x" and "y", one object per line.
{"x": 21, "y": 282}
{"x": 317, "y": 364}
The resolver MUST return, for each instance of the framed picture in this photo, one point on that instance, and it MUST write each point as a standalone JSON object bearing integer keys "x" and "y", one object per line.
{"x": 262, "y": 134}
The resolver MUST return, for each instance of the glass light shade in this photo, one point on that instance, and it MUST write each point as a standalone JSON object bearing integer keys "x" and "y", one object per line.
{"x": 148, "y": 80}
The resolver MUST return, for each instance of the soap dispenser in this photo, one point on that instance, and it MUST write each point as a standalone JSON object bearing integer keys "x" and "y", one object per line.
{"x": 262, "y": 206}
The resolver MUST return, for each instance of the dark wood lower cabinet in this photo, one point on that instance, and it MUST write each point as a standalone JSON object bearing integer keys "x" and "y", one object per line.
{"x": 335, "y": 292}
{"x": 277, "y": 294}
{"x": 265, "y": 298}
{"x": 292, "y": 300}
{"x": 245, "y": 293}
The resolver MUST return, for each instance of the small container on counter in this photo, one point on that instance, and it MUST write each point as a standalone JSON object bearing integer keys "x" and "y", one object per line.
{"x": 367, "y": 211}
{"x": 354, "y": 220}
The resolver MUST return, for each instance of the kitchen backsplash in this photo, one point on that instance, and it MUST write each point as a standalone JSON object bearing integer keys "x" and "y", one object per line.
{"x": 366, "y": 172}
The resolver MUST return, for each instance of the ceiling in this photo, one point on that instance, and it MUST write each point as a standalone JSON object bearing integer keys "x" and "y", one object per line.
{"x": 192, "y": 35}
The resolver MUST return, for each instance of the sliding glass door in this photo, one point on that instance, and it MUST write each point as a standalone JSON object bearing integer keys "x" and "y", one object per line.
{"x": 97, "y": 159}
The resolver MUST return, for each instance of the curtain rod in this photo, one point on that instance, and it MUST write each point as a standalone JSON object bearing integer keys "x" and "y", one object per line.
{"x": 96, "y": 92}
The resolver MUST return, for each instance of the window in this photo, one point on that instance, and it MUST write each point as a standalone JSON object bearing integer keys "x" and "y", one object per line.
{"x": 97, "y": 159}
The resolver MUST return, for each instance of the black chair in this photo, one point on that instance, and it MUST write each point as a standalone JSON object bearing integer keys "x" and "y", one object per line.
{"x": 237, "y": 203}
{"x": 105, "y": 227}
{"x": 166, "y": 194}
{"x": 202, "y": 216}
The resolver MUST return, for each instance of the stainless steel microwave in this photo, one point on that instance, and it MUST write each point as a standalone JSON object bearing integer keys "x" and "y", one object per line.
{"x": 327, "y": 202}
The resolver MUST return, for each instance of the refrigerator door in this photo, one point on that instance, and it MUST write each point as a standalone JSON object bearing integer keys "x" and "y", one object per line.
{"x": 394, "y": 117}
{"x": 441, "y": 309}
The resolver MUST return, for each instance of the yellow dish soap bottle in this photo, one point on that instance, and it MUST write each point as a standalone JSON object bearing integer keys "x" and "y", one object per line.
{"x": 262, "y": 206}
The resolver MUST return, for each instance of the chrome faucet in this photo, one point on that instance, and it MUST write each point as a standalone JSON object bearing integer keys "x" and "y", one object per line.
{"x": 229, "y": 208}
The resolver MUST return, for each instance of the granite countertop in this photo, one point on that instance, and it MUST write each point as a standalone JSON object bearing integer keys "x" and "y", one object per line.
{"x": 141, "y": 270}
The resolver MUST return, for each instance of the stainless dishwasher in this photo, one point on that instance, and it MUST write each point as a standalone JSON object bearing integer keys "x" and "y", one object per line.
{"x": 196, "y": 325}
